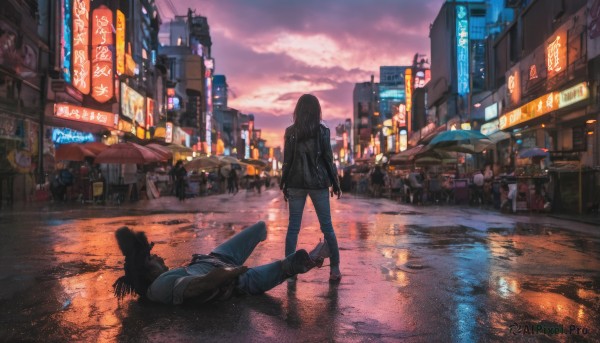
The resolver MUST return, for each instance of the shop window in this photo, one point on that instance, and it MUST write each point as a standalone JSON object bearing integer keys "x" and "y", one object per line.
{"x": 9, "y": 89}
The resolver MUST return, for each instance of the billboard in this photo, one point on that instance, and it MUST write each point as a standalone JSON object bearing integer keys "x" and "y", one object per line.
{"x": 132, "y": 105}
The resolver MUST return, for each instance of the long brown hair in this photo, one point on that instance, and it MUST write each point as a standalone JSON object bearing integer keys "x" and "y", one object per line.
{"x": 307, "y": 116}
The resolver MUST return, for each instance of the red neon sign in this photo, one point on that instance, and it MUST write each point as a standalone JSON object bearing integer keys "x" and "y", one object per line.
{"x": 102, "y": 39}
{"x": 81, "y": 40}
{"x": 86, "y": 115}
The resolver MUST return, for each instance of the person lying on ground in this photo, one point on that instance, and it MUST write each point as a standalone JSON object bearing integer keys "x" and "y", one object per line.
{"x": 216, "y": 276}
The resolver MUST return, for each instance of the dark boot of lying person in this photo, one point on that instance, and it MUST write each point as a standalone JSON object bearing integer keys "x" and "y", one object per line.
{"x": 215, "y": 276}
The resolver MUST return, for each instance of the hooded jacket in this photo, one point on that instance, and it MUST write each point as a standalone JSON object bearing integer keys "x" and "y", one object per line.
{"x": 308, "y": 163}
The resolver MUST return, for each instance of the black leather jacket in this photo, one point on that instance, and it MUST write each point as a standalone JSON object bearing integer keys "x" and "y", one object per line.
{"x": 308, "y": 164}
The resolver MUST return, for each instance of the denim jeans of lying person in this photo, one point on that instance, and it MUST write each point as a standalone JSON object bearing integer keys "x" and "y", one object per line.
{"x": 320, "y": 199}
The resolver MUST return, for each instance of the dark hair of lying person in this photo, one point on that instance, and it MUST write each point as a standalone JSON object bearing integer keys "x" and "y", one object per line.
{"x": 136, "y": 249}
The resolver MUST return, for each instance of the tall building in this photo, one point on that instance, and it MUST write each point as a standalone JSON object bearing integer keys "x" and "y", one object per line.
{"x": 23, "y": 64}
{"x": 459, "y": 63}
{"x": 365, "y": 101}
{"x": 220, "y": 91}
{"x": 395, "y": 98}
{"x": 190, "y": 68}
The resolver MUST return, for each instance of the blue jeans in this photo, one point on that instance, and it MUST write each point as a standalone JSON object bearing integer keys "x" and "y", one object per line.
{"x": 320, "y": 199}
{"x": 236, "y": 251}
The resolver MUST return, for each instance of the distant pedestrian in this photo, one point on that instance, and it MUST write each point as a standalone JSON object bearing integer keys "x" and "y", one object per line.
{"x": 257, "y": 183}
{"x": 377, "y": 181}
{"x": 180, "y": 179}
{"x": 232, "y": 182}
{"x": 308, "y": 170}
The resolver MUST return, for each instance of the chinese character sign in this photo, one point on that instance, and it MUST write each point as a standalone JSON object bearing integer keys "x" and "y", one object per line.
{"x": 86, "y": 115}
{"x": 556, "y": 53}
{"x": 513, "y": 85}
{"x": 102, "y": 63}
{"x": 462, "y": 50}
{"x": 80, "y": 55}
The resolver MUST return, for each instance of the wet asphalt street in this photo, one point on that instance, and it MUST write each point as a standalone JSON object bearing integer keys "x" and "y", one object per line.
{"x": 414, "y": 274}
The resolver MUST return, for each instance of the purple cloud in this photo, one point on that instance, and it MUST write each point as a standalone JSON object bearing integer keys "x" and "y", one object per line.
{"x": 273, "y": 51}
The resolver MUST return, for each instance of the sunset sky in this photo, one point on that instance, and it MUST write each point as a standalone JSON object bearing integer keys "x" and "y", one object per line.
{"x": 273, "y": 51}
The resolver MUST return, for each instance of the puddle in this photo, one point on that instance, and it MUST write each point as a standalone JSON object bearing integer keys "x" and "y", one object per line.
{"x": 69, "y": 269}
{"x": 187, "y": 228}
{"x": 173, "y": 222}
{"x": 393, "y": 213}
{"x": 441, "y": 230}
{"x": 535, "y": 229}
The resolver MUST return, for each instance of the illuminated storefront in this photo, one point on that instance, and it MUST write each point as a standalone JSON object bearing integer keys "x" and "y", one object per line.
{"x": 545, "y": 104}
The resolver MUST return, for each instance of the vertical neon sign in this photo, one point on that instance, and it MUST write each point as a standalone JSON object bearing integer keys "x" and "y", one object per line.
{"x": 462, "y": 50}
{"x": 208, "y": 112}
{"x": 81, "y": 41}
{"x": 66, "y": 41}
{"x": 102, "y": 63}
{"x": 120, "y": 42}
{"x": 408, "y": 89}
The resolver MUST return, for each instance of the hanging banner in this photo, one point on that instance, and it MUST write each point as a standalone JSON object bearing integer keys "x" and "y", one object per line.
{"x": 102, "y": 63}
{"x": 81, "y": 41}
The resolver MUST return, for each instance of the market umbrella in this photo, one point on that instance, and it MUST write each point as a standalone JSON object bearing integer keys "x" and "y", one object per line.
{"x": 203, "y": 163}
{"x": 161, "y": 150}
{"x": 127, "y": 153}
{"x": 406, "y": 155}
{"x": 431, "y": 156}
{"x": 229, "y": 162}
{"x": 72, "y": 152}
{"x": 467, "y": 141}
{"x": 232, "y": 162}
{"x": 95, "y": 147}
{"x": 255, "y": 162}
{"x": 533, "y": 152}
{"x": 179, "y": 148}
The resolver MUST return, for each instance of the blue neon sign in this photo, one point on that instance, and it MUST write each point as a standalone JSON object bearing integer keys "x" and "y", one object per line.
{"x": 66, "y": 62}
{"x": 462, "y": 50}
{"x": 65, "y": 136}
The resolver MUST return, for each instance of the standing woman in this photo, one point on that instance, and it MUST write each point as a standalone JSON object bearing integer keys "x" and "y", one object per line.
{"x": 308, "y": 170}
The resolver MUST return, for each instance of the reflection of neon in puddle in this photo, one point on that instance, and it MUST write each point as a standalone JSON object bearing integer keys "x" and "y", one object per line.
{"x": 400, "y": 255}
{"x": 507, "y": 287}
